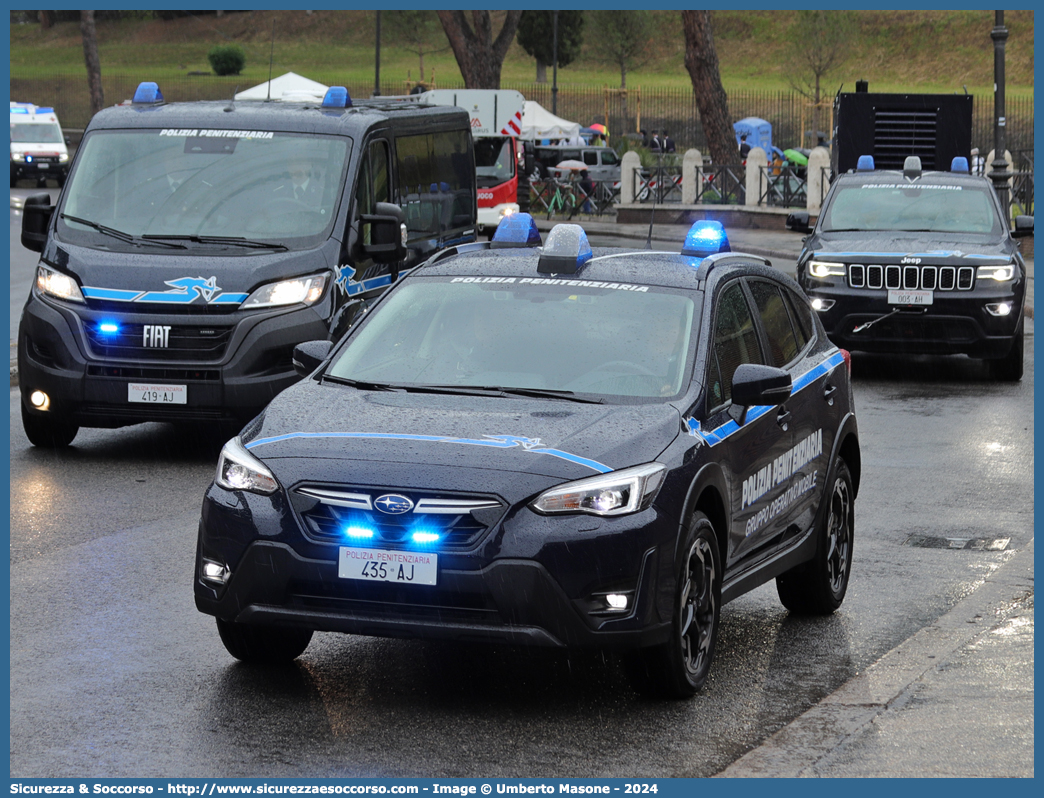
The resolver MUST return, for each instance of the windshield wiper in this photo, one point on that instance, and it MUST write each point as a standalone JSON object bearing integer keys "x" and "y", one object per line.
{"x": 122, "y": 236}
{"x": 499, "y": 390}
{"x": 551, "y": 393}
{"x": 362, "y": 385}
{"x": 237, "y": 241}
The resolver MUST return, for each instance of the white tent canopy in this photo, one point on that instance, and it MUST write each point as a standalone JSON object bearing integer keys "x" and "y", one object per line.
{"x": 289, "y": 84}
{"x": 539, "y": 123}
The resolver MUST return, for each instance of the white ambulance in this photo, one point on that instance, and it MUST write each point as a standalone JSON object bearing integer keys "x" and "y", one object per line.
{"x": 38, "y": 150}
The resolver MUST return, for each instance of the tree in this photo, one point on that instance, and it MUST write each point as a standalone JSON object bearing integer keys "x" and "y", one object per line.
{"x": 624, "y": 39}
{"x": 701, "y": 61}
{"x": 416, "y": 31}
{"x": 90, "y": 56}
{"x": 536, "y": 37}
{"x": 479, "y": 56}
{"x": 819, "y": 42}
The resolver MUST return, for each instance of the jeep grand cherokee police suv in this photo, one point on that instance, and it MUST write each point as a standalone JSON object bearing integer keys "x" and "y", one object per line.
{"x": 553, "y": 447}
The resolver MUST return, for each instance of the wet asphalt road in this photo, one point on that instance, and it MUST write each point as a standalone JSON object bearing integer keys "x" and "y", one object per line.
{"x": 114, "y": 673}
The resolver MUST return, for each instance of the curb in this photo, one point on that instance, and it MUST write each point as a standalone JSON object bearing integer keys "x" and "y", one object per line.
{"x": 849, "y": 711}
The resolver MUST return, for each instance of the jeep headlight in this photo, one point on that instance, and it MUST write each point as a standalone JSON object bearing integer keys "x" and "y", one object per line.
{"x": 618, "y": 493}
{"x": 237, "y": 469}
{"x": 819, "y": 268}
{"x": 998, "y": 273}
{"x": 300, "y": 290}
{"x": 58, "y": 285}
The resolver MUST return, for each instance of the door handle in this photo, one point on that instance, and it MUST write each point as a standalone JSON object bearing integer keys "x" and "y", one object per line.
{"x": 783, "y": 417}
{"x": 828, "y": 393}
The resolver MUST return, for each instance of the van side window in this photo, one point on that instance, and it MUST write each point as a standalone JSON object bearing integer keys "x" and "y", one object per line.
{"x": 435, "y": 177}
{"x": 373, "y": 186}
{"x": 590, "y": 158}
{"x": 609, "y": 157}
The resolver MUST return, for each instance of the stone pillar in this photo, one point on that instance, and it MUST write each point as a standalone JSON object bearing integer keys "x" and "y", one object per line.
{"x": 757, "y": 160}
{"x": 818, "y": 160}
{"x": 692, "y": 176}
{"x": 628, "y": 164}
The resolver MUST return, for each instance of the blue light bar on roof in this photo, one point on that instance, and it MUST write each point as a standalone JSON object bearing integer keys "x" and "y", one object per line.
{"x": 865, "y": 163}
{"x": 147, "y": 92}
{"x": 959, "y": 164}
{"x": 516, "y": 230}
{"x": 45, "y": 110}
{"x": 19, "y": 110}
{"x": 704, "y": 238}
{"x": 337, "y": 97}
{"x": 566, "y": 251}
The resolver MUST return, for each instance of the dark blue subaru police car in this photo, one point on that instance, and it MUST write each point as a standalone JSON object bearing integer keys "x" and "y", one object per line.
{"x": 545, "y": 445}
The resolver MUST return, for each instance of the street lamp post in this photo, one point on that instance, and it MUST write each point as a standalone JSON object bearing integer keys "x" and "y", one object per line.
{"x": 1000, "y": 173}
{"x": 377, "y": 60}
{"x": 554, "y": 68}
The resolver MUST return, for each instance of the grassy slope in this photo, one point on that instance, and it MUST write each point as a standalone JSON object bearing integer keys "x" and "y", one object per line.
{"x": 897, "y": 51}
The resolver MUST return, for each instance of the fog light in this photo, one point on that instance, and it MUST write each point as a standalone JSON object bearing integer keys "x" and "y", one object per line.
{"x": 822, "y": 305}
{"x": 999, "y": 308}
{"x": 616, "y": 601}
{"x": 215, "y": 572}
{"x": 40, "y": 400}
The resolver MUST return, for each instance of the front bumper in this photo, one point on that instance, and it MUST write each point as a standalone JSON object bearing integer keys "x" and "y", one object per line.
{"x": 957, "y": 322}
{"x": 55, "y": 356}
{"x": 39, "y": 170}
{"x": 531, "y": 580}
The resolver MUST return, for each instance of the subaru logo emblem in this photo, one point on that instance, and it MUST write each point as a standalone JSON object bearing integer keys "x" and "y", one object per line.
{"x": 393, "y": 504}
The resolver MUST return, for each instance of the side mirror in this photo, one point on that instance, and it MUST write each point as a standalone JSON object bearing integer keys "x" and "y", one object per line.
{"x": 754, "y": 384}
{"x": 798, "y": 222}
{"x": 1023, "y": 227}
{"x": 387, "y": 233}
{"x": 309, "y": 355}
{"x": 68, "y": 140}
{"x": 36, "y": 218}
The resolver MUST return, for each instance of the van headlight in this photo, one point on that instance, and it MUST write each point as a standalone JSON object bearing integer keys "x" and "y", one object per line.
{"x": 58, "y": 285}
{"x": 18, "y": 157}
{"x": 618, "y": 493}
{"x": 999, "y": 273}
{"x": 63, "y": 157}
{"x": 237, "y": 469}
{"x": 819, "y": 268}
{"x": 299, "y": 290}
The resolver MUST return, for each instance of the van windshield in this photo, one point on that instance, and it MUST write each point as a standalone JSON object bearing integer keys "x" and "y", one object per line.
{"x": 159, "y": 183}
{"x": 36, "y": 133}
{"x": 494, "y": 161}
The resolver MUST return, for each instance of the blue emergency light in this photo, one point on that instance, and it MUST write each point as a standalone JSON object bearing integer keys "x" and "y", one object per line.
{"x": 337, "y": 97}
{"x": 45, "y": 110}
{"x": 147, "y": 92}
{"x": 705, "y": 237}
{"x": 566, "y": 250}
{"x": 865, "y": 163}
{"x": 108, "y": 328}
{"x": 959, "y": 164}
{"x": 516, "y": 230}
{"x": 15, "y": 110}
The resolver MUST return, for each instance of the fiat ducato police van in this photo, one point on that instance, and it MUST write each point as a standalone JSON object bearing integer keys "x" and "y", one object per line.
{"x": 196, "y": 243}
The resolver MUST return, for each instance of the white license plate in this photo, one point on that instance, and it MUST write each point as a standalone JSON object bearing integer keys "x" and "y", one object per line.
{"x": 42, "y": 165}
{"x": 909, "y": 297}
{"x": 157, "y": 394}
{"x": 378, "y": 565}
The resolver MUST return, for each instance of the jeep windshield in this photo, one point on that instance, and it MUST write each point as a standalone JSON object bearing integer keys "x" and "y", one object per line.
{"x": 562, "y": 340}
{"x": 917, "y": 207}
{"x": 210, "y": 187}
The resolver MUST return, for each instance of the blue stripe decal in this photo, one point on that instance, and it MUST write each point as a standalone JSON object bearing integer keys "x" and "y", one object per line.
{"x": 496, "y": 441}
{"x": 717, "y": 435}
{"x": 229, "y": 299}
{"x": 352, "y": 287}
{"x": 167, "y": 297}
{"x": 113, "y": 294}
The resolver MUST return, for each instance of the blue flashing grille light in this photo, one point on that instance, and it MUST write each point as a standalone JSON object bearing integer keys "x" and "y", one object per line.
{"x": 566, "y": 252}
{"x": 425, "y": 537}
{"x": 108, "y": 328}
{"x": 705, "y": 238}
{"x": 517, "y": 230}
{"x": 147, "y": 92}
{"x": 337, "y": 97}
{"x": 959, "y": 164}
{"x": 358, "y": 533}
{"x": 865, "y": 163}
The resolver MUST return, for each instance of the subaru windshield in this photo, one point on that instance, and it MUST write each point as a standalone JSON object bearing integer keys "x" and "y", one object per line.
{"x": 920, "y": 207}
{"x": 452, "y": 332}
{"x": 211, "y": 187}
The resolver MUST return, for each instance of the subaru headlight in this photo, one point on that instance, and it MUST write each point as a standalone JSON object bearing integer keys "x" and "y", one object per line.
{"x": 819, "y": 268}
{"x": 999, "y": 273}
{"x": 299, "y": 290}
{"x": 58, "y": 285}
{"x": 618, "y": 493}
{"x": 237, "y": 469}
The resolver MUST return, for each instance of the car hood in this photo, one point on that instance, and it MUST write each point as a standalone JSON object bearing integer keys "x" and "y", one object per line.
{"x": 892, "y": 246}
{"x": 324, "y": 432}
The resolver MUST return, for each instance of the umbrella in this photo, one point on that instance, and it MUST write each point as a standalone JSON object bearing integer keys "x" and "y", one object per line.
{"x": 600, "y": 129}
{"x": 795, "y": 157}
{"x": 572, "y": 164}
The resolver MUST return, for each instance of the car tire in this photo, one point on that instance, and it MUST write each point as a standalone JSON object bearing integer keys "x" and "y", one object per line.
{"x": 1010, "y": 367}
{"x": 818, "y": 587}
{"x": 263, "y": 645}
{"x": 47, "y": 432}
{"x": 679, "y": 667}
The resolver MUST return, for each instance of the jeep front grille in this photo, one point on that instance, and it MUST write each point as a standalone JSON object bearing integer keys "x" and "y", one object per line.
{"x": 910, "y": 278}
